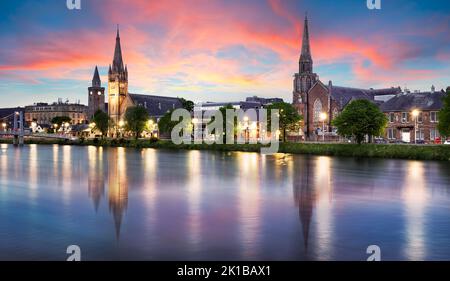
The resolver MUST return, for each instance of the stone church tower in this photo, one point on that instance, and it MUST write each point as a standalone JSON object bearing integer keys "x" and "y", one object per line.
{"x": 305, "y": 78}
{"x": 117, "y": 84}
{"x": 96, "y": 95}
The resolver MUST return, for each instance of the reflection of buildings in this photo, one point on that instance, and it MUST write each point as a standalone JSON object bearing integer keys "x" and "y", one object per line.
{"x": 415, "y": 196}
{"x": 312, "y": 193}
{"x": 117, "y": 184}
{"x": 96, "y": 181}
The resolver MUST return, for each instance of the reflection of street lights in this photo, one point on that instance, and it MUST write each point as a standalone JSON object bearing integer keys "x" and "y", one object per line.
{"x": 323, "y": 117}
{"x": 415, "y": 114}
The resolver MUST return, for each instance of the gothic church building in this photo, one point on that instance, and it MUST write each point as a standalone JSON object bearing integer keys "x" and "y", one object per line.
{"x": 312, "y": 97}
{"x": 119, "y": 99}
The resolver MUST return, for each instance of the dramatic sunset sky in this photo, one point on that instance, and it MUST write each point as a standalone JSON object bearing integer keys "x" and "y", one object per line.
{"x": 207, "y": 50}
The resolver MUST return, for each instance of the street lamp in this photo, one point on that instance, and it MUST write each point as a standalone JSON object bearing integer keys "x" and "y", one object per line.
{"x": 415, "y": 114}
{"x": 323, "y": 117}
{"x": 247, "y": 137}
{"x": 4, "y": 126}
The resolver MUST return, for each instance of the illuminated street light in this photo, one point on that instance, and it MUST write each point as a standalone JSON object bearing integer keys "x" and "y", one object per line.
{"x": 415, "y": 114}
{"x": 121, "y": 123}
{"x": 323, "y": 117}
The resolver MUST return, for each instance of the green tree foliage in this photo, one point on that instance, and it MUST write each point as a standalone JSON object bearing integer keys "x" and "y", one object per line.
{"x": 360, "y": 118}
{"x": 444, "y": 116}
{"x": 289, "y": 117}
{"x": 102, "y": 122}
{"x": 60, "y": 120}
{"x": 165, "y": 124}
{"x": 136, "y": 118}
{"x": 187, "y": 104}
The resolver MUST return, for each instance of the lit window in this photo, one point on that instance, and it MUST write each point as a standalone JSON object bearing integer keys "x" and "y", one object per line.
{"x": 317, "y": 110}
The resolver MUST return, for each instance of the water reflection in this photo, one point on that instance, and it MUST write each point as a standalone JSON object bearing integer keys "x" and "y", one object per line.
{"x": 415, "y": 194}
{"x": 313, "y": 192}
{"x": 202, "y": 205}
{"x": 117, "y": 185}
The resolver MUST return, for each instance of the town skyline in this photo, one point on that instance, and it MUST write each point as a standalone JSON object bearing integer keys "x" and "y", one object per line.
{"x": 244, "y": 59}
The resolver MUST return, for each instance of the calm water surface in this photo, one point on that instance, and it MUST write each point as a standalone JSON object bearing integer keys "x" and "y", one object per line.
{"x": 120, "y": 204}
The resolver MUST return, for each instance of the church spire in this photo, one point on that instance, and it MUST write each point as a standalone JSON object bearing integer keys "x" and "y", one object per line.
{"x": 117, "y": 61}
{"x": 96, "y": 82}
{"x": 305, "y": 56}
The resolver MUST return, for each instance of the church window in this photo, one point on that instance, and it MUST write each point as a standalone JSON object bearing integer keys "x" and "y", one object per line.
{"x": 317, "y": 110}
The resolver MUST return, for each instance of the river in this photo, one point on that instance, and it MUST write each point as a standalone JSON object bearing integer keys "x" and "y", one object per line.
{"x": 147, "y": 204}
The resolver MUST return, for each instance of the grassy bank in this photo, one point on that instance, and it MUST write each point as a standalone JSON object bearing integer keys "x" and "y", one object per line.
{"x": 417, "y": 152}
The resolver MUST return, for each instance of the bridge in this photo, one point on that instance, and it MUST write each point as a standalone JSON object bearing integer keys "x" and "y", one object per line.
{"x": 19, "y": 133}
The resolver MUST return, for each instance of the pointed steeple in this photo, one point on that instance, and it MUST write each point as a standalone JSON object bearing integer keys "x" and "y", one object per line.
{"x": 306, "y": 62}
{"x": 306, "y": 51}
{"x": 117, "y": 61}
{"x": 96, "y": 82}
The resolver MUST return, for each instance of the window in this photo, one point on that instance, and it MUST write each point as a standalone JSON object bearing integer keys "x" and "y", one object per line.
{"x": 419, "y": 134}
{"x": 434, "y": 117}
{"x": 405, "y": 117}
{"x": 391, "y": 117}
{"x": 317, "y": 110}
{"x": 434, "y": 134}
{"x": 420, "y": 117}
{"x": 391, "y": 134}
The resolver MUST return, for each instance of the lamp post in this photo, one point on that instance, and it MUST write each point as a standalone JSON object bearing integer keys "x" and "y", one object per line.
{"x": 246, "y": 128}
{"x": 4, "y": 126}
{"x": 415, "y": 114}
{"x": 323, "y": 117}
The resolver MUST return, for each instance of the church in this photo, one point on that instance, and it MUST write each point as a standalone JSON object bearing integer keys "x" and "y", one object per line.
{"x": 119, "y": 99}
{"x": 313, "y": 98}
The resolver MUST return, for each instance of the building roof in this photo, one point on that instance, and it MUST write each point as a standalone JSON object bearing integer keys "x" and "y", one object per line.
{"x": 156, "y": 106}
{"x": 343, "y": 95}
{"x": 4, "y": 112}
{"x": 96, "y": 82}
{"x": 410, "y": 101}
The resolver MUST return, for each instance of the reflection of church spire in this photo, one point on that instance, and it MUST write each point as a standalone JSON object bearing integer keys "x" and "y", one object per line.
{"x": 305, "y": 198}
{"x": 118, "y": 188}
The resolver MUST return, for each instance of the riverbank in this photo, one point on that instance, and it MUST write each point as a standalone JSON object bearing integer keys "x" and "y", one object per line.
{"x": 397, "y": 151}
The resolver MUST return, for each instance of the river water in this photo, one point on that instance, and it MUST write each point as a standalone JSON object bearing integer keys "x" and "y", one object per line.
{"x": 147, "y": 204}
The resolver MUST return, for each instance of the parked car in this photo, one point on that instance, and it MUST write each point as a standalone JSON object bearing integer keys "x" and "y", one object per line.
{"x": 447, "y": 142}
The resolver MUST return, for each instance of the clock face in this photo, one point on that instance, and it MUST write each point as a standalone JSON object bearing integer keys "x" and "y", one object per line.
{"x": 99, "y": 93}
{"x": 91, "y": 92}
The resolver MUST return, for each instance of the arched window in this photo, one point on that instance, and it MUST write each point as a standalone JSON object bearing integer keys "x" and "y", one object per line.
{"x": 317, "y": 110}
{"x": 335, "y": 112}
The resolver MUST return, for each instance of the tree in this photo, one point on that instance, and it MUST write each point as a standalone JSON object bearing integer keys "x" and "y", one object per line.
{"x": 102, "y": 122}
{"x": 165, "y": 124}
{"x": 187, "y": 104}
{"x": 289, "y": 118}
{"x": 360, "y": 118}
{"x": 444, "y": 116}
{"x": 136, "y": 118}
{"x": 60, "y": 120}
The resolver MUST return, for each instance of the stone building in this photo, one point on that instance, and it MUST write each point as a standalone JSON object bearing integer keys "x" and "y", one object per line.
{"x": 96, "y": 92}
{"x": 312, "y": 98}
{"x": 43, "y": 113}
{"x": 119, "y": 99}
{"x": 413, "y": 117}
